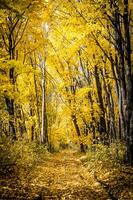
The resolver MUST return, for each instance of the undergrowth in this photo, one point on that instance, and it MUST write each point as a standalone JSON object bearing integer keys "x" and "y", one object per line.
{"x": 108, "y": 168}
{"x": 19, "y": 155}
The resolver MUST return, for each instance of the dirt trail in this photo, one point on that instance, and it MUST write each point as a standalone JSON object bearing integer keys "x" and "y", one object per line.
{"x": 62, "y": 176}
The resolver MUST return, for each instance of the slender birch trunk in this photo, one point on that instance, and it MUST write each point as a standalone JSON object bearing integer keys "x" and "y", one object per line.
{"x": 44, "y": 128}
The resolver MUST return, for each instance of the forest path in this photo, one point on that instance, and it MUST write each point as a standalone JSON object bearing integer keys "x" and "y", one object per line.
{"x": 62, "y": 176}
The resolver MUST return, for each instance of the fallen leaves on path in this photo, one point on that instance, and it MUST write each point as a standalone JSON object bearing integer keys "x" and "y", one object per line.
{"x": 62, "y": 176}
{"x": 66, "y": 175}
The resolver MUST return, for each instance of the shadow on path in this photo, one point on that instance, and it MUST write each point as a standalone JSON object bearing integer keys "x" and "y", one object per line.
{"x": 74, "y": 193}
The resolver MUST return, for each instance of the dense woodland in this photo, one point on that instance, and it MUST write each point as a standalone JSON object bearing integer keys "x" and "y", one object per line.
{"x": 66, "y": 78}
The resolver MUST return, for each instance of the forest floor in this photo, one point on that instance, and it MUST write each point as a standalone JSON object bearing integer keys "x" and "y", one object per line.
{"x": 63, "y": 176}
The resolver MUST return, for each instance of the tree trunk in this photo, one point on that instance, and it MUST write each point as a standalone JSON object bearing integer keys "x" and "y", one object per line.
{"x": 129, "y": 87}
{"x": 44, "y": 130}
{"x": 37, "y": 108}
{"x": 74, "y": 119}
{"x": 10, "y": 101}
{"x": 124, "y": 72}
{"x": 102, "y": 125}
{"x": 110, "y": 104}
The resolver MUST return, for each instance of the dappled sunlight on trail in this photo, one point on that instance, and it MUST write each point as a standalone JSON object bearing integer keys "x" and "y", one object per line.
{"x": 68, "y": 175}
{"x": 62, "y": 176}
